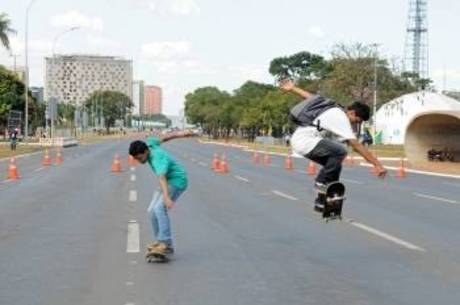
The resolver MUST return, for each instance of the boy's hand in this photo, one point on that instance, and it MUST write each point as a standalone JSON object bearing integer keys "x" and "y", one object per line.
{"x": 380, "y": 171}
{"x": 168, "y": 203}
{"x": 287, "y": 84}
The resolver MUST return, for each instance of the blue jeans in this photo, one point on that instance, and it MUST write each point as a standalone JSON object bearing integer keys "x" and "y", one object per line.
{"x": 158, "y": 214}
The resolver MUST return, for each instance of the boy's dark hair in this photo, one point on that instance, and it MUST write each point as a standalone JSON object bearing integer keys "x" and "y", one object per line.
{"x": 137, "y": 147}
{"x": 362, "y": 110}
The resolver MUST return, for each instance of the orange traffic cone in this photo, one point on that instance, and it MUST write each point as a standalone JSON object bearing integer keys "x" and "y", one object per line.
{"x": 255, "y": 157}
{"x": 13, "y": 172}
{"x": 311, "y": 169}
{"x": 267, "y": 159}
{"x": 59, "y": 158}
{"x": 215, "y": 165}
{"x": 223, "y": 165}
{"x": 116, "y": 164}
{"x": 401, "y": 173}
{"x": 46, "y": 159}
{"x": 288, "y": 163}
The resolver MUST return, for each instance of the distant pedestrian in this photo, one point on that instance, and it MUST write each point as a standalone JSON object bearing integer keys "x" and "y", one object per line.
{"x": 14, "y": 139}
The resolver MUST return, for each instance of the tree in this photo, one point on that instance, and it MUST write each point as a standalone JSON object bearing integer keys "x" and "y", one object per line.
{"x": 113, "y": 105}
{"x": 5, "y": 30}
{"x": 300, "y": 66}
{"x": 12, "y": 98}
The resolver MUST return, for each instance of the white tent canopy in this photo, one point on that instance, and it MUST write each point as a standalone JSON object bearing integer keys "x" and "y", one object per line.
{"x": 394, "y": 117}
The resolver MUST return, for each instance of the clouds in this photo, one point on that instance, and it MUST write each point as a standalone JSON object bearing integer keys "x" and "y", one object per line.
{"x": 76, "y": 19}
{"x": 174, "y": 7}
{"x": 165, "y": 49}
{"x": 316, "y": 31}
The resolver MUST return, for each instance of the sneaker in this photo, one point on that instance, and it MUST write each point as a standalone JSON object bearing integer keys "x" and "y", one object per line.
{"x": 321, "y": 187}
{"x": 160, "y": 247}
{"x": 319, "y": 204}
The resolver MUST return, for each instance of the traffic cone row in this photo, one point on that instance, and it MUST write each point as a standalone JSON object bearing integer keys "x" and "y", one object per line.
{"x": 311, "y": 168}
{"x": 255, "y": 157}
{"x": 59, "y": 158}
{"x": 116, "y": 164}
{"x": 288, "y": 162}
{"x": 220, "y": 165}
{"x": 46, "y": 159}
{"x": 401, "y": 173}
{"x": 267, "y": 159}
{"x": 215, "y": 165}
{"x": 13, "y": 172}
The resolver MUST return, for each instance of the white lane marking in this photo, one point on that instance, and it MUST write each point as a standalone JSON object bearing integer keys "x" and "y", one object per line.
{"x": 133, "y": 177}
{"x": 273, "y": 165}
{"x": 241, "y": 178}
{"x": 129, "y": 283}
{"x": 435, "y": 198}
{"x": 132, "y": 195}
{"x": 281, "y": 194}
{"x": 132, "y": 242}
{"x": 130, "y": 304}
{"x": 202, "y": 164}
{"x": 386, "y": 236}
{"x": 299, "y": 171}
{"x": 39, "y": 169}
{"x": 351, "y": 181}
{"x": 132, "y": 168}
{"x": 193, "y": 159}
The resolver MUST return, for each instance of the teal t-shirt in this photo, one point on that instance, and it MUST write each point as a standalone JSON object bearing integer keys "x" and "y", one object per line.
{"x": 162, "y": 163}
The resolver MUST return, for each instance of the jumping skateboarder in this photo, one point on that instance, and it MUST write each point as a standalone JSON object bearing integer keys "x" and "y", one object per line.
{"x": 324, "y": 128}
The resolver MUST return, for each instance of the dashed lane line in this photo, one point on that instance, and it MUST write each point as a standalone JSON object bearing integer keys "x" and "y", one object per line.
{"x": 384, "y": 235}
{"x": 132, "y": 242}
{"x": 132, "y": 195}
{"x": 241, "y": 178}
{"x": 436, "y": 198}
{"x": 286, "y": 196}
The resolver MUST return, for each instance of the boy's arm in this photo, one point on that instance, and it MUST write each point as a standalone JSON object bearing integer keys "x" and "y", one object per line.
{"x": 164, "y": 189}
{"x": 360, "y": 149}
{"x": 176, "y": 135}
{"x": 289, "y": 85}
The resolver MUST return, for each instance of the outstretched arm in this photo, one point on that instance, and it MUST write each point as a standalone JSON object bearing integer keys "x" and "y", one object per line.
{"x": 289, "y": 86}
{"x": 177, "y": 135}
{"x": 360, "y": 149}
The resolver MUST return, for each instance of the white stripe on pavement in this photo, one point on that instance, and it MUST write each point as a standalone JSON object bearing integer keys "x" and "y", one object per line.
{"x": 281, "y": 194}
{"x": 241, "y": 178}
{"x": 384, "y": 235}
{"x": 351, "y": 181}
{"x": 133, "y": 177}
{"x": 132, "y": 168}
{"x": 435, "y": 198}
{"x": 202, "y": 164}
{"x": 132, "y": 243}
{"x": 39, "y": 169}
{"x": 132, "y": 195}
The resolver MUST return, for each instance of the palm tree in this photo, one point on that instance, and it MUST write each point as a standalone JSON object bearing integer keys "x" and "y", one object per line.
{"x": 5, "y": 30}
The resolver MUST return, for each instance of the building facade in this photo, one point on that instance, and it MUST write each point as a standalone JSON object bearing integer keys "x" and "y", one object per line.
{"x": 138, "y": 97}
{"x": 73, "y": 78}
{"x": 153, "y": 100}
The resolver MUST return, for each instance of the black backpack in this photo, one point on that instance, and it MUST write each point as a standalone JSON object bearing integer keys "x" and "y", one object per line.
{"x": 305, "y": 112}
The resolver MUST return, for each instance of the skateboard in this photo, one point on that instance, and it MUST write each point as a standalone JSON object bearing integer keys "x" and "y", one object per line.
{"x": 332, "y": 200}
{"x": 153, "y": 257}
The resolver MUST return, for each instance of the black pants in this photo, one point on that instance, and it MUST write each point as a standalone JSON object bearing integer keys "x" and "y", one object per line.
{"x": 330, "y": 155}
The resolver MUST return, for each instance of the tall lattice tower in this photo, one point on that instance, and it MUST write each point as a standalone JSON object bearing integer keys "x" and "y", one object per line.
{"x": 416, "y": 47}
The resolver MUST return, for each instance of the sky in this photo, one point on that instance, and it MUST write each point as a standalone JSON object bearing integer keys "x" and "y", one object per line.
{"x": 181, "y": 45}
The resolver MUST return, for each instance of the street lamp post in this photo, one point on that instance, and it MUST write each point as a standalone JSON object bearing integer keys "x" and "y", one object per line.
{"x": 59, "y": 35}
{"x": 26, "y": 78}
{"x": 375, "y": 45}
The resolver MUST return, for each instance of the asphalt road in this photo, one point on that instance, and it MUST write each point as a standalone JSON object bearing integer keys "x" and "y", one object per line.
{"x": 76, "y": 234}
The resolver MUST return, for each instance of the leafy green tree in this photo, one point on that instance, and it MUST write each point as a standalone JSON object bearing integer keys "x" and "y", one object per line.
{"x": 5, "y": 30}
{"x": 300, "y": 66}
{"x": 113, "y": 105}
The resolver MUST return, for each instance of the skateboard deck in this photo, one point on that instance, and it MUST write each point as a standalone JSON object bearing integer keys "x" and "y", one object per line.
{"x": 332, "y": 199}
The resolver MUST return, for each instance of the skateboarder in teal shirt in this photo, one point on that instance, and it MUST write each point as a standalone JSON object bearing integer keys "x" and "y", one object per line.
{"x": 173, "y": 182}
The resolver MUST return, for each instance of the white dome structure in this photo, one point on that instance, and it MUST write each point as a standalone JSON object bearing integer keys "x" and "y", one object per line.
{"x": 421, "y": 121}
